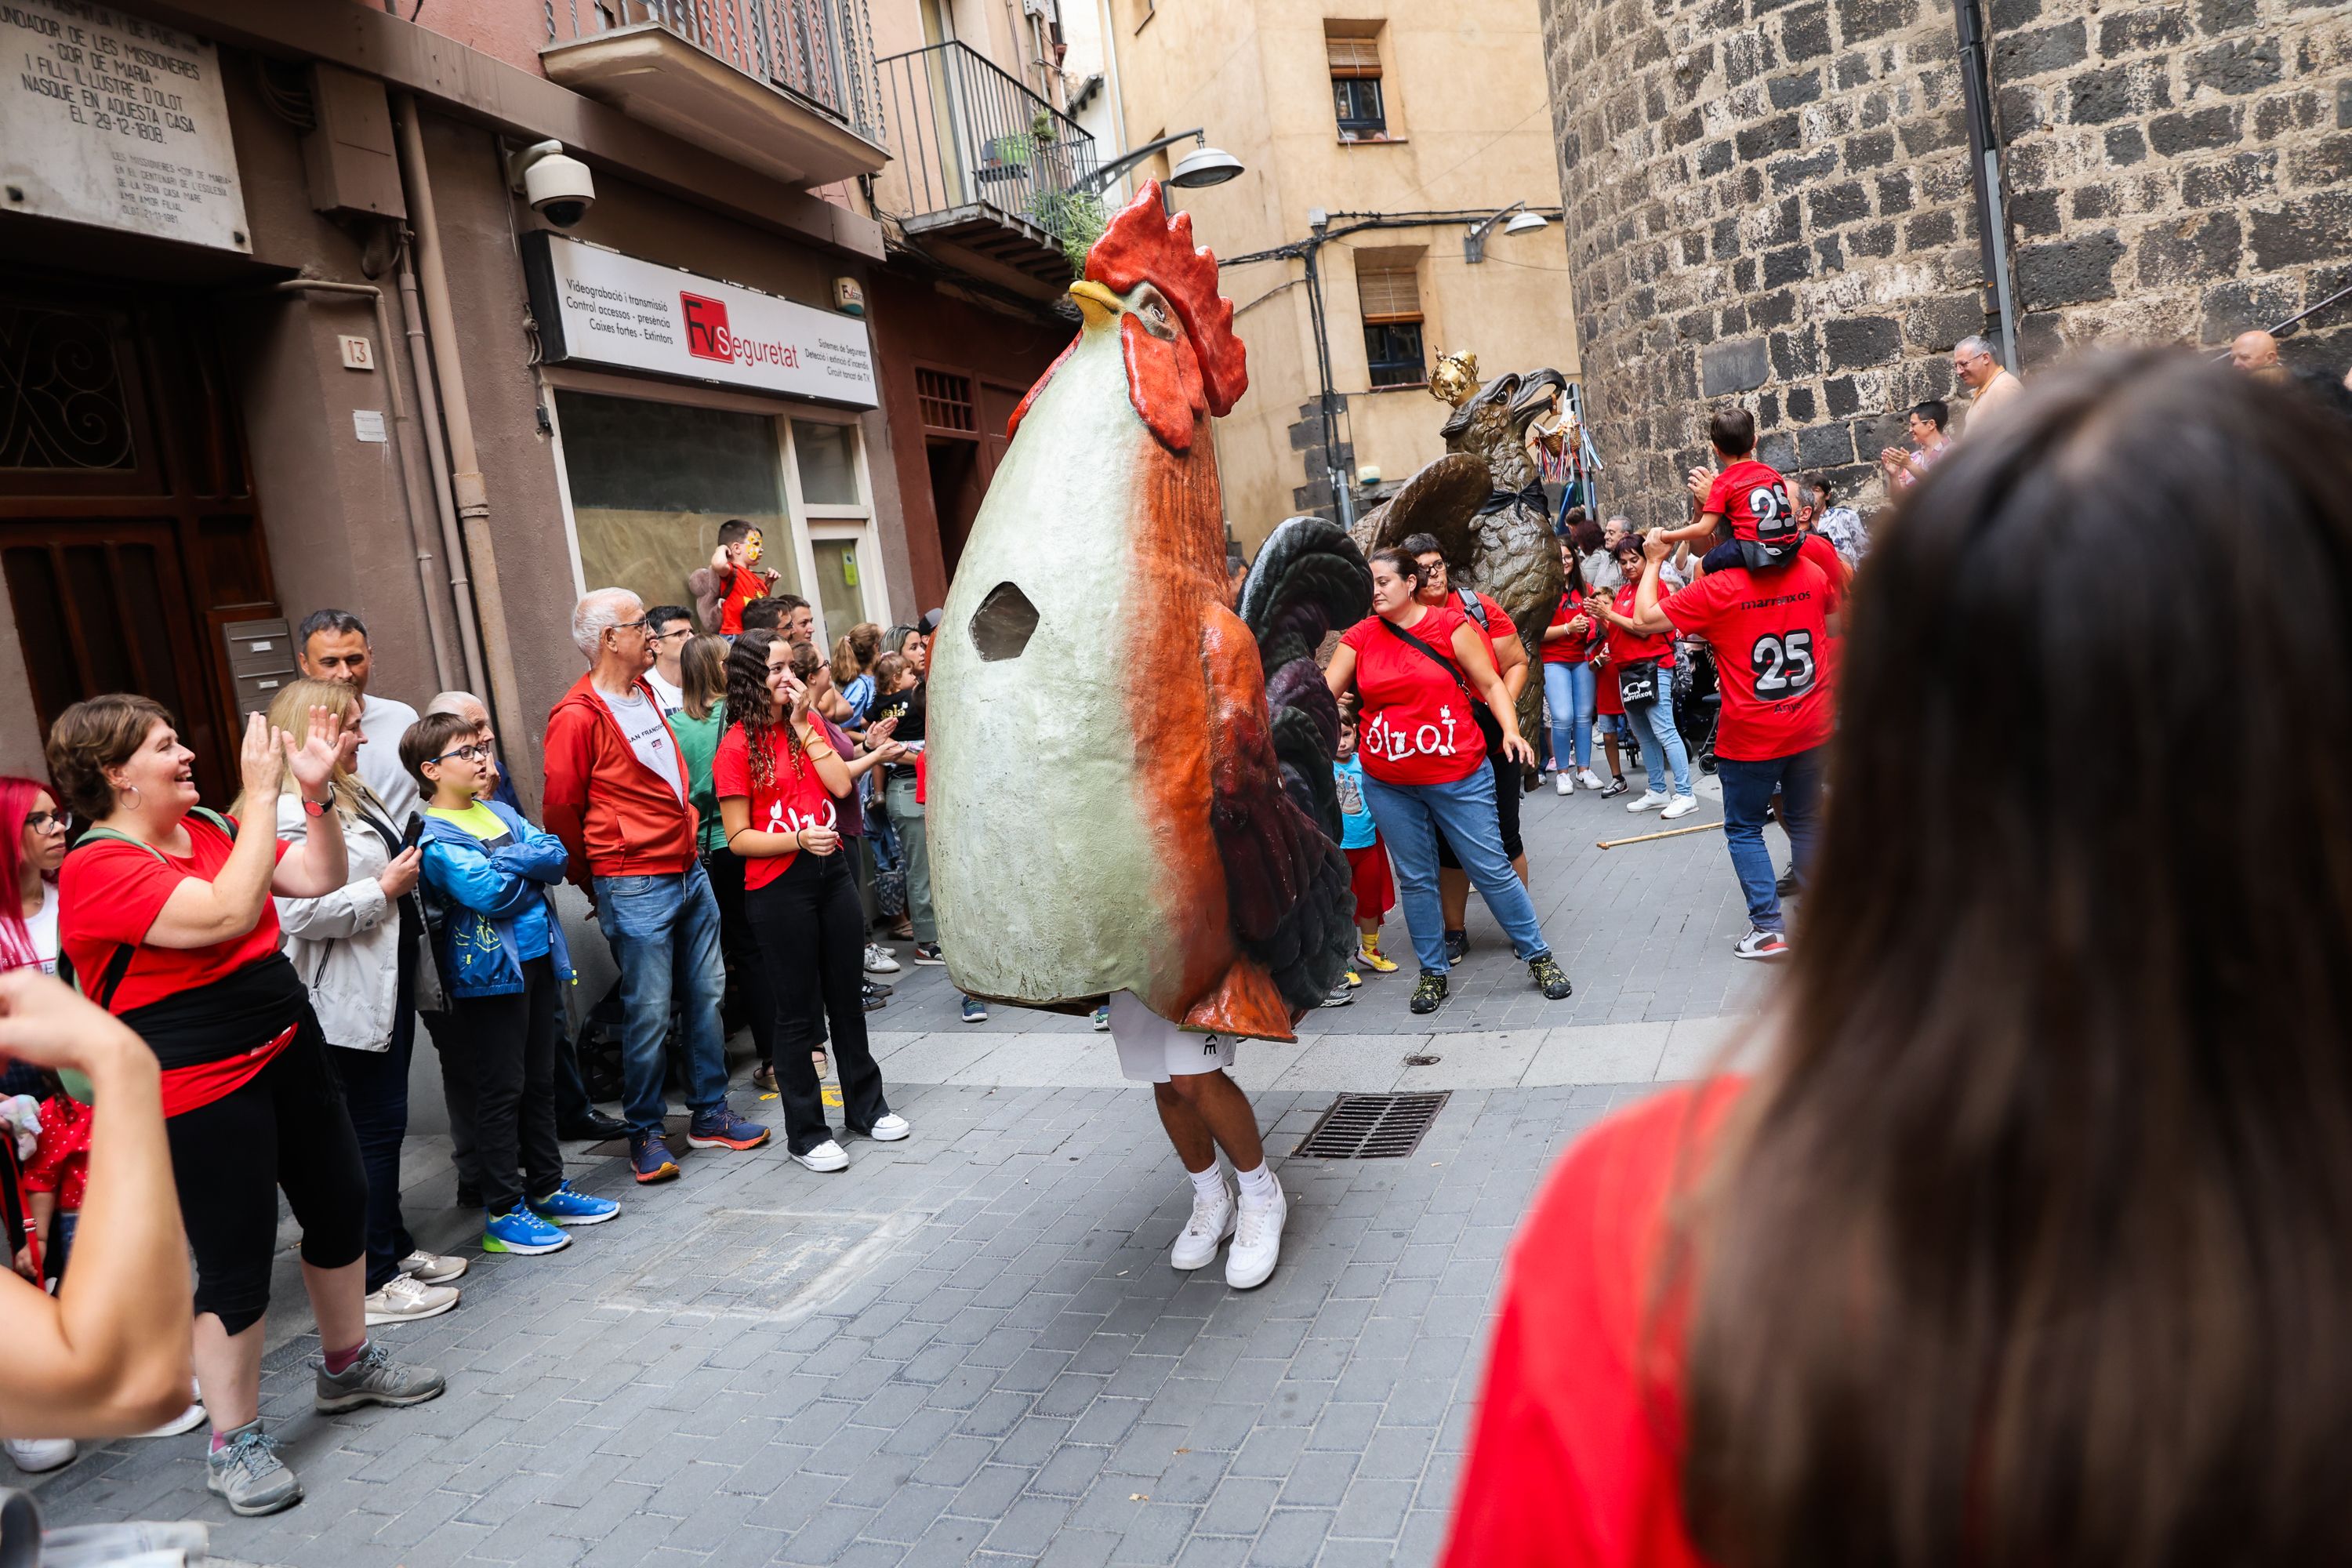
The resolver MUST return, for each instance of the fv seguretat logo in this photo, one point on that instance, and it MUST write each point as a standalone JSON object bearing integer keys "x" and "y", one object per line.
{"x": 708, "y": 336}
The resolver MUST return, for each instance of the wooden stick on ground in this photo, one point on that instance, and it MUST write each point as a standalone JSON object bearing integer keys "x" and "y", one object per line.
{"x": 1646, "y": 837}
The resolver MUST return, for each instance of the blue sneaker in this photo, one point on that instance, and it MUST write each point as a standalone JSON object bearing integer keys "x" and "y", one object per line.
{"x": 649, "y": 1158}
{"x": 976, "y": 1011}
{"x": 520, "y": 1230}
{"x": 722, "y": 1128}
{"x": 568, "y": 1205}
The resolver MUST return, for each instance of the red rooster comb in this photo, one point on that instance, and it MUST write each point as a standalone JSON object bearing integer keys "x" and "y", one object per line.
{"x": 1141, "y": 245}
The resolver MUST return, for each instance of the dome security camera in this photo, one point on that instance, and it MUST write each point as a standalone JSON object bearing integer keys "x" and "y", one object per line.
{"x": 559, "y": 186}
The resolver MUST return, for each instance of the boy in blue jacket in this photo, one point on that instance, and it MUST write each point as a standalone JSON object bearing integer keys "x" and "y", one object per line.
{"x": 500, "y": 950}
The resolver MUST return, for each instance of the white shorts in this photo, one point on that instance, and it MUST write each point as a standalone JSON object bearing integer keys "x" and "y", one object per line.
{"x": 1153, "y": 1050}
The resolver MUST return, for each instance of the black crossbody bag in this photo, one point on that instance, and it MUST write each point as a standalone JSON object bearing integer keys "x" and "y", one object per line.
{"x": 1489, "y": 727}
{"x": 1638, "y": 681}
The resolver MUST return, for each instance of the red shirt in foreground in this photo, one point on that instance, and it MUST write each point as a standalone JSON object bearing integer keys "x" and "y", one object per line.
{"x": 108, "y": 894}
{"x": 1417, "y": 727}
{"x": 1624, "y": 646}
{"x": 787, "y": 803}
{"x": 1770, "y": 635}
{"x": 1575, "y": 1455}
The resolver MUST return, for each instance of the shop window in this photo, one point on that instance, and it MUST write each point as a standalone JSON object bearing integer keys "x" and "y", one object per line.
{"x": 1356, "y": 98}
{"x": 1390, "y": 298}
{"x": 652, "y": 483}
{"x": 828, "y": 462}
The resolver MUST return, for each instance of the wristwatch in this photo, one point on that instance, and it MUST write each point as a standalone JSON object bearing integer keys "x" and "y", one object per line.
{"x": 315, "y": 808}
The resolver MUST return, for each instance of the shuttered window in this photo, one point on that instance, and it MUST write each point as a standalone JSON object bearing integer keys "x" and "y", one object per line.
{"x": 1353, "y": 57}
{"x": 1388, "y": 293}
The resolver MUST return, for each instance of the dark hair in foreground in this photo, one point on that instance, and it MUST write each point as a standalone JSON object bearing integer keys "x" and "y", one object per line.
{"x": 751, "y": 704}
{"x": 1732, "y": 430}
{"x": 428, "y": 741}
{"x": 2033, "y": 1242}
{"x": 1402, "y": 561}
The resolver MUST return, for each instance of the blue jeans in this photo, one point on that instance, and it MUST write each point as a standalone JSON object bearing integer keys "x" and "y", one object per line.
{"x": 664, "y": 931}
{"x": 1655, "y": 720}
{"x": 1747, "y": 789}
{"x": 1410, "y": 817}
{"x": 1568, "y": 696}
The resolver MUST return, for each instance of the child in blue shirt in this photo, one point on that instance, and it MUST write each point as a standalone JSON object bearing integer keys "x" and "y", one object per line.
{"x": 1368, "y": 858}
{"x": 499, "y": 948}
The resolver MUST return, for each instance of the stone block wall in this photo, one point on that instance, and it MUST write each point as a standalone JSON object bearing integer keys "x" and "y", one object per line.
{"x": 1769, "y": 200}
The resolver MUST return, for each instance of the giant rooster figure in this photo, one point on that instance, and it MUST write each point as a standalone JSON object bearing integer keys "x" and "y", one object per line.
{"x": 1111, "y": 804}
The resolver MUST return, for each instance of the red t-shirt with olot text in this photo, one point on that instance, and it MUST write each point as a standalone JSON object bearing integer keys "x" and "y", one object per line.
{"x": 787, "y": 803}
{"x": 108, "y": 894}
{"x": 1769, "y": 631}
{"x": 1416, "y": 726}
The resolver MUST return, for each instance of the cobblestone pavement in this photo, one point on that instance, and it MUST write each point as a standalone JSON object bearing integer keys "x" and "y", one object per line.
{"x": 970, "y": 1347}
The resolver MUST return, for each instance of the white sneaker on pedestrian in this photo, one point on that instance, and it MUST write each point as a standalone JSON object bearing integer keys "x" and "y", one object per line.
{"x": 35, "y": 1455}
{"x": 1590, "y": 780}
{"x": 1563, "y": 782}
{"x": 187, "y": 1420}
{"x": 432, "y": 1269}
{"x": 1258, "y": 1242}
{"x": 1211, "y": 1222}
{"x": 404, "y": 1299}
{"x": 880, "y": 960}
{"x": 1681, "y": 806}
{"x": 825, "y": 1156}
{"x": 1651, "y": 800}
{"x": 889, "y": 1129}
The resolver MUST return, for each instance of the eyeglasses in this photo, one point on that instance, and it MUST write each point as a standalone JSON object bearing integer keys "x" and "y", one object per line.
{"x": 640, "y": 624}
{"x": 48, "y": 821}
{"x": 479, "y": 751}
{"x": 681, "y": 632}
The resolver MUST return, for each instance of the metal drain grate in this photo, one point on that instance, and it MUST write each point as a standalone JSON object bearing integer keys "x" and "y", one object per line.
{"x": 1373, "y": 1126}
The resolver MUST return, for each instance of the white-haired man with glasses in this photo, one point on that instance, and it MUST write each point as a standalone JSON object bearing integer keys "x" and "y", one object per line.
{"x": 616, "y": 795}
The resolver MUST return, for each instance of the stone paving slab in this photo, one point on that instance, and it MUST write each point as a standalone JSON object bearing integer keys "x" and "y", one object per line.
{"x": 967, "y": 1348}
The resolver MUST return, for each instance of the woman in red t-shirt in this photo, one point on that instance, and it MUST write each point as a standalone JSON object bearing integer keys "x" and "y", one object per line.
{"x": 1425, "y": 764}
{"x": 778, "y": 780}
{"x": 1568, "y": 679}
{"x": 2026, "y": 1244}
{"x": 165, "y": 918}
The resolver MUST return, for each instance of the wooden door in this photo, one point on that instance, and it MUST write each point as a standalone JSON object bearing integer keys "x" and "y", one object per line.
{"x": 129, "y": 533}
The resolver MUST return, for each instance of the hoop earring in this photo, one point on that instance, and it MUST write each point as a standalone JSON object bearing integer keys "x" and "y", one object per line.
{"x": 132, "y": 790}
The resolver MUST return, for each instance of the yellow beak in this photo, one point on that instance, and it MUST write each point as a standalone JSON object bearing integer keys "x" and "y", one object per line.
{"x": 1097, "y": 304}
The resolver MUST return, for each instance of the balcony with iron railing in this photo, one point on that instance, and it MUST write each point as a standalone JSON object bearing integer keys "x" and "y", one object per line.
{"x": 786, "y": 87}
{"x": 987, "y": 168}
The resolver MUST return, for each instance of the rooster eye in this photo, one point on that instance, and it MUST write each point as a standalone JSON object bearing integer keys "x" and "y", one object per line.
{"x": 1153, "y": 311}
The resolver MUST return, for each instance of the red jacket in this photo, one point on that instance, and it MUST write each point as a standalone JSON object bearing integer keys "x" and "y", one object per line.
{"x": 616, "y": 816}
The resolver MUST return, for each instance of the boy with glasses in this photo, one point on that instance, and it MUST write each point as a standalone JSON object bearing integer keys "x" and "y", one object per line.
{"x": 501, "y": 951}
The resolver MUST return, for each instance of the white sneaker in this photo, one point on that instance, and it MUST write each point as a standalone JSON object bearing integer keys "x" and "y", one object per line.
{"x": 1258, "y": 1242}
{"x": 1590, "y": 780}
{"x": 406, "y": 1300}
{"x": 1651, "y": 800}
{"x": 880, "y": 960}
{"x": 1563, "y": 782}
{"x": 1681, "y": 806}
{"x": 34, "y": 1454}
{"x": 1211, "y": 1222}
{"x": 187, "y": 1420}
{"x": 825, "y": 1156}
{"x": 431, "y": 1267}
{"x": 889, "y": 1129}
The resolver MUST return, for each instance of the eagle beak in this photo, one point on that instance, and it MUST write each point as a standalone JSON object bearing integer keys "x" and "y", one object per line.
{"x": 1097, "y": 304}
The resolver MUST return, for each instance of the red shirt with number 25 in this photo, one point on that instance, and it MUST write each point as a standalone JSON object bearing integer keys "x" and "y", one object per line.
{"x": 1769, "y": 631}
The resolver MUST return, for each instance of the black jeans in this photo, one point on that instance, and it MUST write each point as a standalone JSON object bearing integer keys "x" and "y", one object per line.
{"x": 741, "y": 949}
{"x": 511, "y": 1043}
{"x": 375, "y": 1089}
{"x": 284, "y": 1129}
{"x": 812, "y": 935}
{"x": 458, "y": 1091}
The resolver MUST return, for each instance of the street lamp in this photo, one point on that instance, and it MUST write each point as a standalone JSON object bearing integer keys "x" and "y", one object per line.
{"x": 1521, "y": 221}
{"x": 1204, "y": 165}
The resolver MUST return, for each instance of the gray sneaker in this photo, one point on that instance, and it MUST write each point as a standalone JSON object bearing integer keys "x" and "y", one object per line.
{"x": 247, "y": 1473}
{"x": 374, "y": 1379}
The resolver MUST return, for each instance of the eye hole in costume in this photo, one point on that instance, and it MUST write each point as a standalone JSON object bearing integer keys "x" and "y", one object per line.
{"x": 1001, "y": 627}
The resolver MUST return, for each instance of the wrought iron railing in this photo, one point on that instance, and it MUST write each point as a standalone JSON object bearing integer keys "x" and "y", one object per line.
{"x": 970, "y": 134}
{"x": 819, "y": 51}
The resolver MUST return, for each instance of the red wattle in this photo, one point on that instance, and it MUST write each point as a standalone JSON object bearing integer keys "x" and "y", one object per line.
{"x": 1155, "y": 385}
